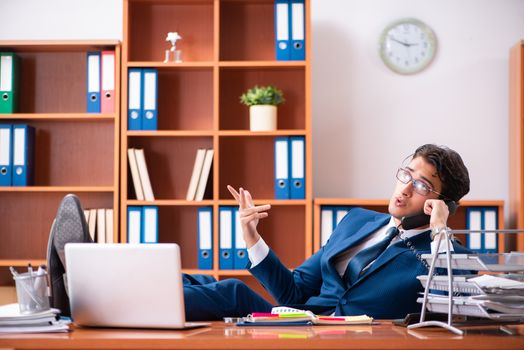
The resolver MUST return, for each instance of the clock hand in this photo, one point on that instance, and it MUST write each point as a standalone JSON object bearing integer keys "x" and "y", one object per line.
{"x": 400, "y": 42}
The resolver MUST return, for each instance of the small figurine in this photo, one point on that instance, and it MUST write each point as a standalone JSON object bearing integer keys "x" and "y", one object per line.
{"x": 172, "y": 37}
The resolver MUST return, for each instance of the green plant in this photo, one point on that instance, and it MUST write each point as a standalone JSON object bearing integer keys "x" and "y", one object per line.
{"x": 262, "y": 95}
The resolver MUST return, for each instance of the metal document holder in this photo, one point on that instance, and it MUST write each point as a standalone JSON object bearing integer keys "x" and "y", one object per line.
{"x": 465, "y": 262}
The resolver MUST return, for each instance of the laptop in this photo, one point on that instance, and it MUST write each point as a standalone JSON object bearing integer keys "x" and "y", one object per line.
{"x": 126, "y": 285}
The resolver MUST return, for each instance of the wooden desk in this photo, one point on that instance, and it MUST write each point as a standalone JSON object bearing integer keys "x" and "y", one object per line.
{"x": 222, "y": 336}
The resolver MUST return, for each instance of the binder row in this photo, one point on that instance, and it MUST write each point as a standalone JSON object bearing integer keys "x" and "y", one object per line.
{"x": 233, "y": 250}
{"x": 330, "y": 217}
{"x": 290, "y": 30}
{"x": 232, "y": 247}
{"x": 100, "y": 223}
{"x": 17, "y": 155}
{"x": 9, "y": 81}
{"x": 142, "y": 224}
{"x": 482, "y": 219}
{"x": 100, "y": 82}
{"x": 142, "y": 108}
{"x": 290, "y": 167}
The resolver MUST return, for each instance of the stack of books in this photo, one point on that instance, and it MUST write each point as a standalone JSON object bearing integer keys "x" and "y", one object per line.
{"x": 140, "y": 174}
{"x": 200, "y": 175}
{"x": 12, "y": 321}
{"x": 100, "y": 223}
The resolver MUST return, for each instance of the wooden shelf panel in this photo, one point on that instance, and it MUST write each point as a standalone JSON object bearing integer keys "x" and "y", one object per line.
{"x": 170, "y": 163}
{"x": 57, "y": 45}
{"x": 171, "y": 65}
{"x": 247, "y": 30}
{"x": 261, "y": 64}
{"x": 28, "y": 219}
{"x": 22, "y": 263}
{"x": 73, "y": 117}
{"x": 58, "y": 189}
{"x": 152, "y": 20}
{"x": 235, "y": 81}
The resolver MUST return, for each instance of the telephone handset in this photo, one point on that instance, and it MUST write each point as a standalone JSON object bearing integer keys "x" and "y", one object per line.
{"x": 411, "y": 222}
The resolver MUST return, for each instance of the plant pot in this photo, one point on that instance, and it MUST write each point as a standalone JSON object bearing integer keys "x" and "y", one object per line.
{"x": 262, "y": 118}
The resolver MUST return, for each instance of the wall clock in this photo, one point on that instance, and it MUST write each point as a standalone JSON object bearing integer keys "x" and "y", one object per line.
{"x": 407, "y": 46}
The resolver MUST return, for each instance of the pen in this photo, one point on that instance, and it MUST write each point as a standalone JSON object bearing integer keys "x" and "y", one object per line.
{"x": 263, "y": 314}
{"x": 327, "y": 318}
{"x": 30, "y": 269}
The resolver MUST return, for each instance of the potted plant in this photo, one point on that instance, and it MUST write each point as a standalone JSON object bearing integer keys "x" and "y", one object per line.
{"x": 262, "y": 102}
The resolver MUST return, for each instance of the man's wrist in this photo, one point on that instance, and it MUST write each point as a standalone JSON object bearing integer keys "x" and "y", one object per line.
{"x": 437, "y": 230}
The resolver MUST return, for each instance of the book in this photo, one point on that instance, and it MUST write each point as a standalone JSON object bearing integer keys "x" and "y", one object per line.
{"x": 101, "y": 226}
{"x": 92, "y": 224}
{"x": 195, "y": 175}
{"x": 144, "y": 174}
{"x": 204, "y": 176}
{"x": 109, "y": 226}
{"x": 137, "y": 184}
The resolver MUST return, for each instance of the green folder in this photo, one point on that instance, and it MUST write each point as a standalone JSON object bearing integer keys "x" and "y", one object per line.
{"x": 9, "y": 62}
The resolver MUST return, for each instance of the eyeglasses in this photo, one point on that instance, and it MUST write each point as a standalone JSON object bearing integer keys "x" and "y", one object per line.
{"x": 404, "y": 176}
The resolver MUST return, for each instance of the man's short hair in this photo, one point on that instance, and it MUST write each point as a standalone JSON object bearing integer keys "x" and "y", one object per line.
{"x": 450, "y": 169}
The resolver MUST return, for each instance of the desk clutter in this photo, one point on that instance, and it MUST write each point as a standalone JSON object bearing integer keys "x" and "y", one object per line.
{"x": 32, "y": 313}
{"x": 14, "y": 321}
{"x": 287, "y": 316}
{"x": 498, "y": 297}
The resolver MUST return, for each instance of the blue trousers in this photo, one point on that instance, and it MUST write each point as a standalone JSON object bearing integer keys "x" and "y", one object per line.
{"x": 207, "y": 299}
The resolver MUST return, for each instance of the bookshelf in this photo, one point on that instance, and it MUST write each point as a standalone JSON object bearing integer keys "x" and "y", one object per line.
{"x": 75, "y": 152}
{"x": 457, "y": 221}
{"x": 516, "y": 141}
{"x": 227, "y": 46}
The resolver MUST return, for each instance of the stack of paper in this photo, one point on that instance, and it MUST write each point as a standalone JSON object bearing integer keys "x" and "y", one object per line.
{"x": 289, "y": 316}
{"x": 12, "y": 321}
{"x": 499, "y": 297}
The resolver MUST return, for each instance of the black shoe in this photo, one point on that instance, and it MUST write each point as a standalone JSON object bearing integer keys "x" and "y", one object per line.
{"x": 69, "y": 226}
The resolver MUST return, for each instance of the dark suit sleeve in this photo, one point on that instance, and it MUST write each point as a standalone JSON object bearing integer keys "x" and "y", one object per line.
{"x": 289, "y": 287}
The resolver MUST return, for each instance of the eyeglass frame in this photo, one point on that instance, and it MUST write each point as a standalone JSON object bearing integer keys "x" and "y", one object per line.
{"x": 415, "y": 182}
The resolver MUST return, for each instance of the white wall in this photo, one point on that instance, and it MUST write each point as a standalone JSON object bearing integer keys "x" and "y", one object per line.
{"x": 365, "y": 117}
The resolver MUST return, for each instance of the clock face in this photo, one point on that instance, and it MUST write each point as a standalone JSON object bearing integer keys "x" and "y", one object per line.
{"x": 407, "y": 46}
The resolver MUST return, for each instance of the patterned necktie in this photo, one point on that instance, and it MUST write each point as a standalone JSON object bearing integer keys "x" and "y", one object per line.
{"x": 365, "y": 256}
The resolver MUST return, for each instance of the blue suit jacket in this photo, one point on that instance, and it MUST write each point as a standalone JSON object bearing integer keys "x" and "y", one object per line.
{"x": 389, "y": 289}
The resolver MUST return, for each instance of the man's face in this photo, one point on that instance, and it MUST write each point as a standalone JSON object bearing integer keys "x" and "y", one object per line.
{"x": 405, "y": 201}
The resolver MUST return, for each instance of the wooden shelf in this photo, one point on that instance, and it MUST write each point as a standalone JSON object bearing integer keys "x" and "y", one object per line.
{"x": 198, "y": 107}
{"x": 457, "y": 221}
{"x": 75, "y": 151}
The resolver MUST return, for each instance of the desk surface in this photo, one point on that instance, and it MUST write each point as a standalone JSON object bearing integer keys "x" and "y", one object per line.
{"x": 222, "y": 336}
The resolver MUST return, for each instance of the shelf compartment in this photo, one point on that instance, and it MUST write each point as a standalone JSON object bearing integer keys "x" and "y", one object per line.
{"x": 152, "y": 20}
{"x": 170, "y": 163}
{"x": 52, "y": 81}
{"x": 70, "y": 153}
{"x": 185, "y": 99}
{"x": 28, "y": 219}
{"x": 247, "y": 162}
{"x": 235, "y": 81}
{"x": 247, "y": 30}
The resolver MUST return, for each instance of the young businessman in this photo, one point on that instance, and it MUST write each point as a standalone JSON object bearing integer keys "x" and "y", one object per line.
{"x": 367, "y": 266}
